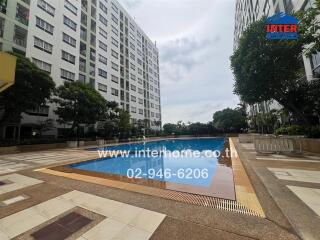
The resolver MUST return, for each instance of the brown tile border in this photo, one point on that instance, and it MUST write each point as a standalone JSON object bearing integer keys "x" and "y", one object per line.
{"x": 195, "y": 199}
{"x": 245, "y": 193}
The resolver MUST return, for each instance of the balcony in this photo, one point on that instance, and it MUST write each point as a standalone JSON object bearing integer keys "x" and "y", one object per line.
{"x": 22, "y": 14}
{"x": 3, "y": 7}
{"x": 20, "y": 36}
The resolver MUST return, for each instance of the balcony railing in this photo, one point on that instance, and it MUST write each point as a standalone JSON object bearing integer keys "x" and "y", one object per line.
{"x": 20, "y": 42}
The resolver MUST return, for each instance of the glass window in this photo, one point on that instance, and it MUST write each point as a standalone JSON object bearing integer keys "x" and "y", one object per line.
{"x": 69, "y": 40}
{"x": 46, "y": 7}
{"x": 22, "y": 14}
{"x": 68, "y": 22}
{"x": 67, "y": 75}
{"x": 45, "y": 26}
{"x": 42, "y": 65}
{"x": 42, "y": 45}
{"x": 68, "y": 57}
{"x": 68, "y": 5}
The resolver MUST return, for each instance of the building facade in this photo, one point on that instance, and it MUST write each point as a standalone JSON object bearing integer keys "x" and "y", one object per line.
{"x": 93, "y": 41}
{"x": 248, "y": 11}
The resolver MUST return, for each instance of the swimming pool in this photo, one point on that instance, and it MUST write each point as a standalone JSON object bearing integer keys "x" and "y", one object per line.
{"x": 196, "y": 170}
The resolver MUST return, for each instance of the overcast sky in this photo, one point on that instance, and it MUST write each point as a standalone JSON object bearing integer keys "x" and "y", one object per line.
{"x": 195, "y": 39}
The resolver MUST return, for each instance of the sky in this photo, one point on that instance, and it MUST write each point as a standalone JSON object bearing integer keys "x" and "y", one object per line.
{"x": 195, "y": 41}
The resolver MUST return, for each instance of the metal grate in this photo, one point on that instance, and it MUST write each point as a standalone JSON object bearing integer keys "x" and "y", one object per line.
{"x": 201, "y": 200}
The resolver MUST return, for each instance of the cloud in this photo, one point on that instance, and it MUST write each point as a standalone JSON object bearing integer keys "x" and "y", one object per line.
{"x": 131, "y": 3}
{"x": 181, "y": 55}
{"x": 195, "y": 41}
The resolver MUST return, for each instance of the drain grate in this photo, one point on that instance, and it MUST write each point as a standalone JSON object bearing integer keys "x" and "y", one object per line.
{"x": 201, "y": 200}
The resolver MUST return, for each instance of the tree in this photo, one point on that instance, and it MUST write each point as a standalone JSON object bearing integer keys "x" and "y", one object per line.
{"x": 33, "y": 88}
{"x": 124, "y": 124}
{"x": 77, "y": 104}
{"x": 229, "y": 121}
{"x": 109, "y": 124}
{"x": 169, "y": 128}
{"x": 266, "y": 70}
{"x": 309, "y": 28}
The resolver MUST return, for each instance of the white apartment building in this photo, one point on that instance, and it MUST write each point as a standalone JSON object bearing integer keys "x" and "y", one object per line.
{"x": 248, "y": 11}
{"x": 93, "y": 41}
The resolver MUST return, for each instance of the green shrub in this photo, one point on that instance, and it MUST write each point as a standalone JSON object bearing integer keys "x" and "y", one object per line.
{"x": 310, "y": 131}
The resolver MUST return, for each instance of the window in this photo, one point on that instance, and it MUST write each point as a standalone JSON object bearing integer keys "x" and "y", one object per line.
{"x": 115, "y": 66}
{"x": 82, "y": 64}
{"x": 114, "y": 42}
{"x": 133, "y": 109}
{"x": 132, "y": 27}
{"x": 82, "y": 78}
{"x": 141, "y": 111}
{"x": 92, "y": 69}
{"x": 140, "y": 90}
{"x": 140, "y": 81}
{"x": 47, "y": 27}
{"x": 68, "y": 57}
{"x": 114, "y": 19}
{"x": 20, "y": 36}
{"x": 133, "y": 98}
{"x": 102, "y": 73}
{"x": 140, "y": 101}
{"x": 114, "y": 79}
{"x": 68, "y": 5}
{"x": 46, "y": 7}
{"x": 132, "y": 56}
{"x": 132, "y": 36}
{"x": 103, "y": 7}
{"x": 103, "y": 46}
{"x": 22, "y": 14}
{"x": 115, "y": 8}
{"x": 103, "y": 20}
{"x": 67, "y": 75}
{"x": 114, "y": 92}
{"x": 133, "y": 87}
{"x": 140, "y": 71}
{"x": 103, "y": 59}
{"x": 102, "y": 87}
{"x": 42, "y": 65}
{"x": 103, "y": 33}
{"x": 2, "y": 21}
{"x": 42, "y": 45}
{"x": 132, "y": 66}
{"x": 133, "y": 77}
{"x": 69, "y": 40}
{"x": 114, "y": 54}
{"x": 114, "y": 30}
{"x": 132, "y": 46}
{"x": 68, "y": 22}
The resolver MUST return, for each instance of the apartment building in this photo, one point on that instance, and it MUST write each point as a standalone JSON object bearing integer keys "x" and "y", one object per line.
{"x": 93, "y": 41}
{"x": 248, "y": 11}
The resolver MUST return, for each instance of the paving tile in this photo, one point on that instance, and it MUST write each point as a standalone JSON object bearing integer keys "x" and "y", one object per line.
{"x": 53, "y": 208}
{"x": 147, "y": 220}
{"x": 14, "y": 200}
{"x": 93, "y": 203}
{"x": 308, "y": 196}
{"x": 297, "y": 175}
{"x": 106, "y": 230}
{"x": 132, "y": 233}
{"x": 20, "y": 222}
{"x": 126, "y": 213}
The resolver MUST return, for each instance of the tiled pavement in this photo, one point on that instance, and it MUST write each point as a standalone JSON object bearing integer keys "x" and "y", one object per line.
{"x": 21, "y": 161}
{"x": 294, "y": 183}
{"x": 121, "y": 220}
{"x": 22, "y": 211}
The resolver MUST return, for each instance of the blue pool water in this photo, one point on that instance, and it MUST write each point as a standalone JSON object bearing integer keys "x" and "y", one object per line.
{"x": 197, "y": 170}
